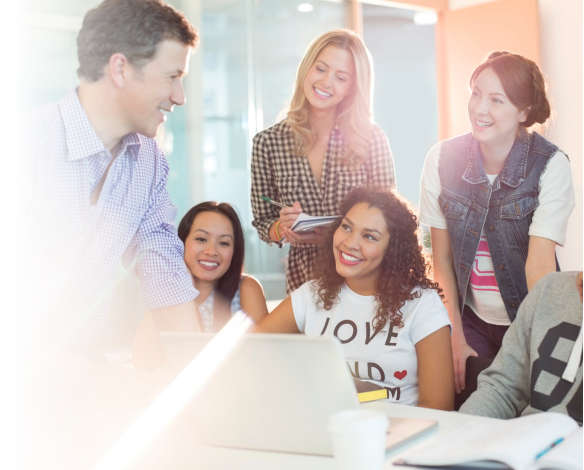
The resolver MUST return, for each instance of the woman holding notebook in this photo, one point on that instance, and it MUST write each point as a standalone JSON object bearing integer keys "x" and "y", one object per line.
{"x": 324, "y": 148}
{"x": 371, "y": 290}
{"x": 498, "y": 201}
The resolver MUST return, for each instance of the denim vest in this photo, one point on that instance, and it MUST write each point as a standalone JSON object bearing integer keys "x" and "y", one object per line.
{"x": 505, "y": 209}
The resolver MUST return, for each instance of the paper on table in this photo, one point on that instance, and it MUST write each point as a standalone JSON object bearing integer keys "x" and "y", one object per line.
{"x": 513, "y": 443}
{"x": 567, "y": 456}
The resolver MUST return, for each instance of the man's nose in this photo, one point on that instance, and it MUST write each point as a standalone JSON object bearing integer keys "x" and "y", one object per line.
{"x": 178, "y": 94}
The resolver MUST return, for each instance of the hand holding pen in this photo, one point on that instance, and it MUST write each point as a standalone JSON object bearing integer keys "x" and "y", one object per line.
{"x": 288, "y": 216}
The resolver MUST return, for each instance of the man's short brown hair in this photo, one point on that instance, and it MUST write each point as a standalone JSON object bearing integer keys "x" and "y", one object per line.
{"x": 133, "y": 27}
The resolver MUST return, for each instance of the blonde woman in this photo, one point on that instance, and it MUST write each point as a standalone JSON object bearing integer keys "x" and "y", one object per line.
{"x": 324, "y": 148}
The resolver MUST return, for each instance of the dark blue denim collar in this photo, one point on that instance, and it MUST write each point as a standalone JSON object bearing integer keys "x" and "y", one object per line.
{"x": 514, "y": 170}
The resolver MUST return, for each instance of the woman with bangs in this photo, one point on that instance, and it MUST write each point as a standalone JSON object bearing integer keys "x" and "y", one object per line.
{"x": 214, "y": 253}
{"x": 372, "y": 290}
{"x": 325, "y": 147}
{"x": 498, "y": 201}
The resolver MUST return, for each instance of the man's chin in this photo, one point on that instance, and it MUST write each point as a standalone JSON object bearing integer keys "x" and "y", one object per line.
{"x": 151, "y": 133}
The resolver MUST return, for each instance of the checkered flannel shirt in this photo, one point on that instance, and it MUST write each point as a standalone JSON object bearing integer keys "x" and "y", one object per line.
{"x": 278, "y": 173}
{"x": 77, "y": 246}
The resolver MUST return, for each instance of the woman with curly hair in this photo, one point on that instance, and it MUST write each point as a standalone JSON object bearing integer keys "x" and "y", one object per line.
{"x": 371, "y": 290}
{"x": 326, "y": 146}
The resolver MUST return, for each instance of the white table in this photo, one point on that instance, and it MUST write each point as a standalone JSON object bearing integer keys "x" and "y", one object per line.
{"x": 182, "y": 456}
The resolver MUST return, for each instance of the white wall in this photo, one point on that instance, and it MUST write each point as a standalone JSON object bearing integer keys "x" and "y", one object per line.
{"x": 561, "y": 61}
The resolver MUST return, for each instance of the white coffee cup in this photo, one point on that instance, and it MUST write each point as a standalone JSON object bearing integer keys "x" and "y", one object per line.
{"x": 358, "y": 438}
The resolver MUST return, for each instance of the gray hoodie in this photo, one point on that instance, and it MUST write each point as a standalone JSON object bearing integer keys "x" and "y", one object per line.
{"x": 539, "y": 366}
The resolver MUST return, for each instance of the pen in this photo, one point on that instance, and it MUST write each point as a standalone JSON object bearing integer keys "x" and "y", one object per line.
{"x": 545, "y": 451}
{"x": 267, "y": 199}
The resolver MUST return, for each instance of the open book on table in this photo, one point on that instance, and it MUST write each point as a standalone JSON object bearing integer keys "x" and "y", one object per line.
{"x": 535, "y": 442}
{"x": 307, "y": 223}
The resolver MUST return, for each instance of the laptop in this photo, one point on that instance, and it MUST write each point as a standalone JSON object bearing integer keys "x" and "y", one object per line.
{"x": 275, "y": 392}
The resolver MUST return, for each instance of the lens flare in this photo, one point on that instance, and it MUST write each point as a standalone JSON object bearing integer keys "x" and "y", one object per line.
{"x": 175, "y": 397}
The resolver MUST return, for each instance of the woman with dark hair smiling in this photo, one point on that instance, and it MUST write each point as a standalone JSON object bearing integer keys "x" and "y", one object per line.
{"x": 371, "y": 290}
{"x": 214, "y": 253}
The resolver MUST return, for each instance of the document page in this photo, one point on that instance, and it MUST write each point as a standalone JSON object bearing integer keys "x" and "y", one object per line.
{"x": 567, "y": 455}
{"x": 516, "y": 442}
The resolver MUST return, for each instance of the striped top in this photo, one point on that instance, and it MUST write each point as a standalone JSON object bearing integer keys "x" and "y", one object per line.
{"x": 206, "y": 309}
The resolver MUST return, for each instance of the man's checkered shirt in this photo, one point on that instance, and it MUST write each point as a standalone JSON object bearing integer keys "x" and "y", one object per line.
{"x": 76, "y": 246}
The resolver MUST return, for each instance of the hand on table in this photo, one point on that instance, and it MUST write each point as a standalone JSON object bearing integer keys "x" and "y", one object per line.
{"x": 460, "y": 353}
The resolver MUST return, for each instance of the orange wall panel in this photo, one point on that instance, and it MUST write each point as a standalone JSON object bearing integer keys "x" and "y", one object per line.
{"x": 464, "y": 37}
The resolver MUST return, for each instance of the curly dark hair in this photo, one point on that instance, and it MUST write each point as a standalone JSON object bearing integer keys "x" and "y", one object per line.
{"x": 403, "y": 268}
{"x": 133, "y": 27}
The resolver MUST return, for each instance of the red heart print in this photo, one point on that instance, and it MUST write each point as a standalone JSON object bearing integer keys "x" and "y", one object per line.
{"x": 400, "y": 375}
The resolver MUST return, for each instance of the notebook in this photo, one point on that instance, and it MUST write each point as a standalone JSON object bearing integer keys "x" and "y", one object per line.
{"x": 307, "y": 223}
{"x": 533, "y": 442}
{"x": 276, "y": 393}
{"x": 367, "y": 391}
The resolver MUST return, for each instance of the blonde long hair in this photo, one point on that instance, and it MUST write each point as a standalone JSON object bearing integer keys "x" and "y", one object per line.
{"x": 353, "y": 113}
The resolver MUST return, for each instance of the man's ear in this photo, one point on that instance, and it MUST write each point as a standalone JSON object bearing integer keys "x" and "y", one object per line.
{"x": 119, "y": 69}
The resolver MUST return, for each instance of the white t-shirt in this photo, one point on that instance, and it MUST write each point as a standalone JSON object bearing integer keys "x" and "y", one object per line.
{"x": 387, "y": 358}
{"x": 550, "y": 220}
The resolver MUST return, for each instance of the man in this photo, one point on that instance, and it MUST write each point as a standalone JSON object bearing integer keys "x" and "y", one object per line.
{"x": 539, "y": 366}
{"x": 99, "y": 196}
{"x": 99, "y": 191}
